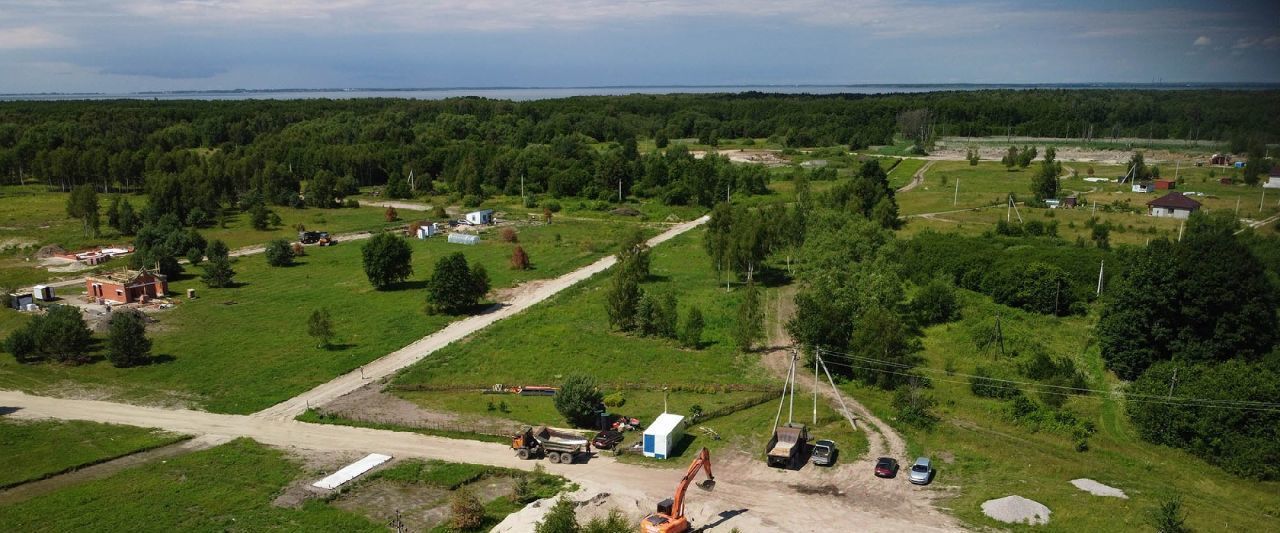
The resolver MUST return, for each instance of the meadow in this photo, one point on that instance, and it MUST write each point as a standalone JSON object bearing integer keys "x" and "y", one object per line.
{"x": 37, "y": 449}
{"x": 983, "y": 452}
{"x": 258, "y": 352}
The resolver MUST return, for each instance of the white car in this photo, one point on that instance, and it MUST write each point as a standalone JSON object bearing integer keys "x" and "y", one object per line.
{"x": 921, "y": 471}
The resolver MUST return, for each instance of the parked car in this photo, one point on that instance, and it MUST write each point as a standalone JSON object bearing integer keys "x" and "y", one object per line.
{"x": 921, "y": 471}
{"x": 886, "y": 467}
{"x": 606, "y": 440}
{"x": 824, "y": 453}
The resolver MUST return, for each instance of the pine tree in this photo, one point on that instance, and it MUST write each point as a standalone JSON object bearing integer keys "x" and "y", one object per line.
{"x": 127, "y": 343}
{"x": 691, "y": 334}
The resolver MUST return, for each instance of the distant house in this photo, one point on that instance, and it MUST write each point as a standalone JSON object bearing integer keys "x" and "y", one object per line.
{"x": 1166, "y": 185}
{"x": 1070, "y": 201}
{"x": 1174, "y": 205}
{"x": 427, "y": 230}
{"x": 1220, "y": 159}
{"x": 1273, "y": 179}
{"x": 1143, "y": 186}
{"x": 476, "y": 218}
{"x": 126, "y": 286}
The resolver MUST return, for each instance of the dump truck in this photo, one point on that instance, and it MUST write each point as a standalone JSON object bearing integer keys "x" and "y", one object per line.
{"x": 557, "y": 446}
{"x": 786, "y": 448}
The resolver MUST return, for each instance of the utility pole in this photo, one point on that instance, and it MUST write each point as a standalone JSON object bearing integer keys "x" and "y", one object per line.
{"x": 1173, "y": 381}
{"x": 1100, "y": 268}
{"x": 1264, "y": 199}
{"x": 522, "y": 199}
{"x": 815, "y": 391}
{"x": 1181, "y": 226}
{"x": 1237, "y": 207}
{"x": 619, "y": 190}
{"x": 956, "y": 198}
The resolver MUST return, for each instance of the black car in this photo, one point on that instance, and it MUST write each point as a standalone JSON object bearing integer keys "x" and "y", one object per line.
{"x": 886, "y": 467}
{"x": 606, "y": 440}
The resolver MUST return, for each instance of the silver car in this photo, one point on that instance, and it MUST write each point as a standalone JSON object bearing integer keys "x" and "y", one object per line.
{"x": 921, "y": 471}
{"x": 824, "y": 453}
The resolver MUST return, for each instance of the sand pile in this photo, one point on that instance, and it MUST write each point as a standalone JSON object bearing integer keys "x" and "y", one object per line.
{"x": 1016, "y": 509}
{"x": 50, "y": 251}
{"x": 1098, "y": 489}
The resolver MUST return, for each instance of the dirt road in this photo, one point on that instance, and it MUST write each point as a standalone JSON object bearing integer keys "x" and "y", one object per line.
{"x": 389, "y": 364}
{"x": 917, "y": 179}
{"x": 238, "y": 252}
{"x": 408, "y": 206}
{"x": 748, "y": 496}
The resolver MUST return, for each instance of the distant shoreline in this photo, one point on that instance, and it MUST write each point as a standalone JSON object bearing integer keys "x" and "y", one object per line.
{"x": 546, "y": 92}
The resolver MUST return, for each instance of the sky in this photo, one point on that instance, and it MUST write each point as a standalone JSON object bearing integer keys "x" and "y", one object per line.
{"x": 117, "y": 46}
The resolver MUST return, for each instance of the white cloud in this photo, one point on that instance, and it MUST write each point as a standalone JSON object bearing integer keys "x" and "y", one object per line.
{"x": 1244, "y": 42}
{"x": 27, "y": 37}
{"x": 1202, "y": 41}
{"x": 1272, "y": 41}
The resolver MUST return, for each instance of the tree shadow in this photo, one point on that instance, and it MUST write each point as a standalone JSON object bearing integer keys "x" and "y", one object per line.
{"x": 159, "y": 359}
{"x": 407, "y": 285}
{"x": 340, "y": 347}
{"x": 5, "y": 410}
{"x": 657, "y": 278}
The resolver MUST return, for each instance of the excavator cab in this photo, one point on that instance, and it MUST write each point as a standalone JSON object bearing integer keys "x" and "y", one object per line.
{"x": 669, "y": 517}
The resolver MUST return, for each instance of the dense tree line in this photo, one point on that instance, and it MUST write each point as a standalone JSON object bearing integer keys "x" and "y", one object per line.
{"x": 225, "y": 148}
{"x": 1197, "y": 319}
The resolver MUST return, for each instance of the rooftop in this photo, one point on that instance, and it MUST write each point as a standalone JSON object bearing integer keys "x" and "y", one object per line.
{"x": 1175, "y": 200}
{"x": 122, "y": 277}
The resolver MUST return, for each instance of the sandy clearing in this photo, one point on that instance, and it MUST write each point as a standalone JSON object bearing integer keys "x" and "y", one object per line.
{"x": 744, "y": 498}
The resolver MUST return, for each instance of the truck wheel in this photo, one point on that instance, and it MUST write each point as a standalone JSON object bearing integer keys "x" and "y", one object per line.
{"x": 566, "y": 458}
{"x": 553, "y": 457}
{"x": 523, "y": 453}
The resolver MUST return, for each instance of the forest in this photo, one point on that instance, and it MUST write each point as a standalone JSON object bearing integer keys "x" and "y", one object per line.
{"x": 221, "y": 150}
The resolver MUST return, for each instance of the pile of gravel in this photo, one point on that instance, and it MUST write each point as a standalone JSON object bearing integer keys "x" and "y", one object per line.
{"x": 1098, "y": 489}
{"x": 1016, "y": 509}
{"x": 50, "y": 251}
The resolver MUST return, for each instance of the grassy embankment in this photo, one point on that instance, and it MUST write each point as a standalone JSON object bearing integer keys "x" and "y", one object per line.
{"x": 259, "y": 353}
{"x": 570, "y": 334}
{"x": 37, "y": 449}
{"x": 980, "y": 448}
{"x": 232, "y": 486}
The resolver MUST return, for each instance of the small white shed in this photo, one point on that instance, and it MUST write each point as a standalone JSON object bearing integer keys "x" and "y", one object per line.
{"x": 662, "y": 435}
{"x": 428, "y": 230}
{"x": 44, "y": 293}
{"x": 484, "y": 216}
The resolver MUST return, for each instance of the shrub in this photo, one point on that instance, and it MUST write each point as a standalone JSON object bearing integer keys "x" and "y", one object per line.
{"x": 466, "y": 513}
{"x": 472, "y": 200}
{"x": 982, "y": 385}
{"x": 391, "y": 214}
{"x": 519, "y": 259}
{"x": 1169, "y": 517}
{"x": 60, "y": 334}
{"x": 915, "y": 406}
{"x": 691, "y": 333}
{"x": 552, "y": 205}
{"x": 279, "y": 253}
{"x": 562, "y": 518}
{"x": 508, "y": 235}
{"x": 578, "y": 399}
{"x": 352, "y": 203}
{"x": 615, "y": 399}
{"x": 297, "y": 249}
{"x": 439, "y": 213}
{"x": 935, "y": 303}
{"x": 454, "y": 287}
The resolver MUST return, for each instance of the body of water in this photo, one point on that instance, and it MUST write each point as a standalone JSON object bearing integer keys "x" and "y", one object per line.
{"x": 541, "y": 93}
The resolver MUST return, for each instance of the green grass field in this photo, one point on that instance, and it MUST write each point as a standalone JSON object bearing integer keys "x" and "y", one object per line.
{"x": 37, "y": 449}
{"x": 259, "y": 354}
{"x": 995, "y": 456}
{"x": 227, "y": 488}
{"x": 31, "y": 217}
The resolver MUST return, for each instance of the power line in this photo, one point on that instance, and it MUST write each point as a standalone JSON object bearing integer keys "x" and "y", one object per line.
{"x": 1061, "y": 387}
{"x": 1079, "y": 392}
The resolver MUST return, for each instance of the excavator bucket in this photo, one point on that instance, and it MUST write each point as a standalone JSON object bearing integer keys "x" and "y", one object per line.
{"x": 707, "y": 485}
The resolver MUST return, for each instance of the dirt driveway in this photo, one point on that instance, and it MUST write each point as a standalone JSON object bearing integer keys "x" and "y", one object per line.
{"x": 748, "y": 495}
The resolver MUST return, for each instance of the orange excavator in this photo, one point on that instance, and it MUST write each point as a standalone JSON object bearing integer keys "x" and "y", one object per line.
{"x": 670, "y": 516}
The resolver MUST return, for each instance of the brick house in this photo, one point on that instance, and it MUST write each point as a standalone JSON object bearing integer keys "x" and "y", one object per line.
{"x": 126, "y": 286}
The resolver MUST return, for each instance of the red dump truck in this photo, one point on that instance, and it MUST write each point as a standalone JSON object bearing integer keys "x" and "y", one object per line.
{"x": 557, "y": 446}
{"x": 787, "y": 447}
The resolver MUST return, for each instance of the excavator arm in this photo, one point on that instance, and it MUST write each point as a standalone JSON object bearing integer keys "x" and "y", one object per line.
{"x": 701, "y": 462}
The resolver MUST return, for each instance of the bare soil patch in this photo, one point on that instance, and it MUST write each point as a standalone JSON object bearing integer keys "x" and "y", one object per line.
{"x": 1098, "y": 489}
{"x": 370, "y": 404}
{"x": 421, "y": 506}
{"x": 1016, "y": 510}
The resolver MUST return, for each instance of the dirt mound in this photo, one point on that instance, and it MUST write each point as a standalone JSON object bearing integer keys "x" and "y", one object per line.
{"x": 1098, "y": 489}
{"x": 50, "y": 250}
{"x": 1016, "y": 509}
{"x": 625, "y": 212}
